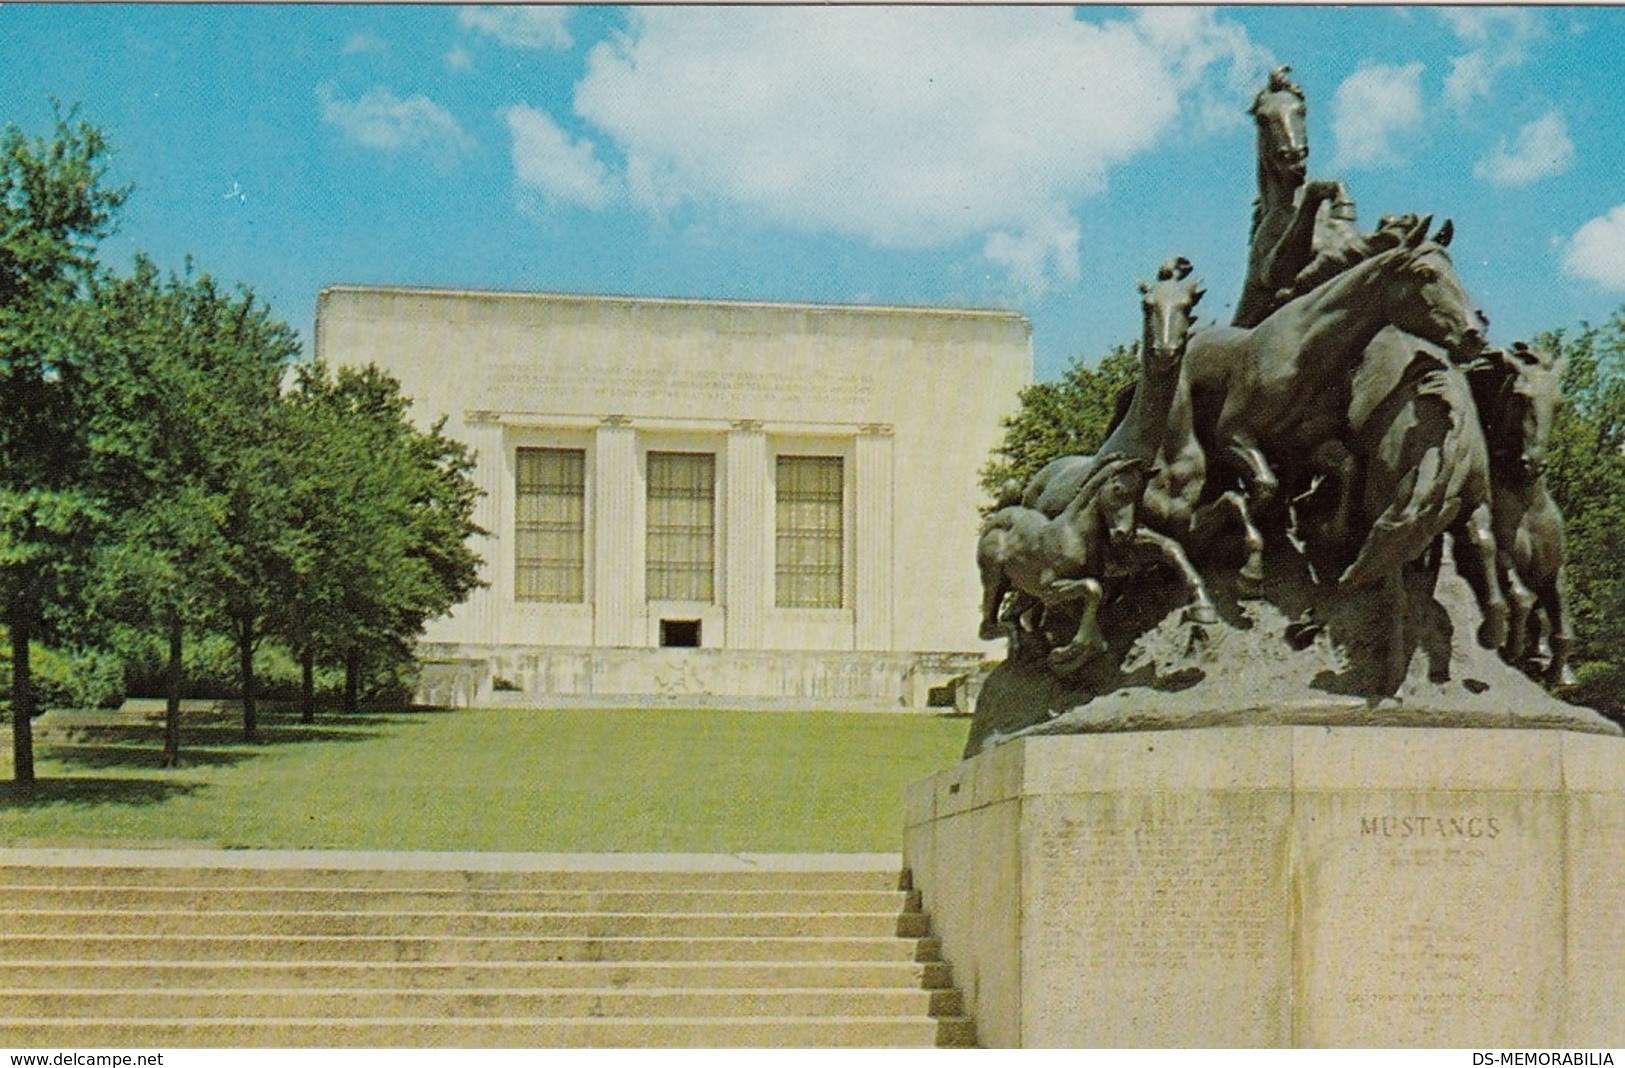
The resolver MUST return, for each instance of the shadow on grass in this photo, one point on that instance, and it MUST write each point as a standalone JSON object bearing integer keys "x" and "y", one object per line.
{"x": 135, "y": 756}
{"x": 15, "y": 795}
{"x": 224, "y": 736}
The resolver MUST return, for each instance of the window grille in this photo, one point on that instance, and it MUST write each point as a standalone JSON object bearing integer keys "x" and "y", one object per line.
{"x": 550, "y": 525}
{"x": 681, "y": 557}
{"x": 809, "y": 532}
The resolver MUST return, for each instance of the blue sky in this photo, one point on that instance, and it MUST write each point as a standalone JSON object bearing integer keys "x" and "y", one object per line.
{"x": 1040, "y": 159}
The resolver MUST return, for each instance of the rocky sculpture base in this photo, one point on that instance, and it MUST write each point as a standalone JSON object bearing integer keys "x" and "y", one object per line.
{"x": 1298, "y": 652}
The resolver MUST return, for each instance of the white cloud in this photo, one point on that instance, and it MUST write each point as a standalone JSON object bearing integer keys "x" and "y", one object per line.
{"x": 520, "y": 27}
{"x": 1214, "y": 60}
{"x": 382, "y": 120}
{"x": 1499, "y": 39}
{"x": 1376, "y": 106}
{"x": 363, "y": 42}
{"x": 917, "y": 127}
{"x": 459, "y": 58}
{"x": 547, "y": 161}
{"x": 1596, "y": 252}
{"x": 1541, "y": 149}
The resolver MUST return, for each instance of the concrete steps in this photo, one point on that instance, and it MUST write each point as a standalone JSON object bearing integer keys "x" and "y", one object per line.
{"x": 600, "y": 952}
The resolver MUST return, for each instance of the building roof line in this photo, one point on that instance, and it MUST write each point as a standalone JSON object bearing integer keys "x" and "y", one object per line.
{"x": 678, "y": 302}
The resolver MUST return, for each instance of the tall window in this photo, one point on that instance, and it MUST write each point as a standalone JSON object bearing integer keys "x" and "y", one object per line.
{"x": 807, "y": 564}
{"x": 549, "y": 525}
{"x": 682, "y": 526}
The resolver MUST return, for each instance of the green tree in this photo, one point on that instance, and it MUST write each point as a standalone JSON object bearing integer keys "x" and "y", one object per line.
{"x": 54, "y": 207}
{"x": 383, "y": 515}
{"x": 185, "y": 383}
{"x": 1586, "y": 474}
{"x": 1069, "y": 415}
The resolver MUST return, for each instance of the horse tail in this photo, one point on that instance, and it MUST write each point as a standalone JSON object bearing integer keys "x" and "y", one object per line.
{"x": 1428, "y": 498}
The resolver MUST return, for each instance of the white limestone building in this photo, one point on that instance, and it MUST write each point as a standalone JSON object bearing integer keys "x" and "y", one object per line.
{"x": 710, "y": 501}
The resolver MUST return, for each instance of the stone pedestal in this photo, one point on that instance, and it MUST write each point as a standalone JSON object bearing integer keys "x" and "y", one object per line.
{"x": 1282, "y": 886}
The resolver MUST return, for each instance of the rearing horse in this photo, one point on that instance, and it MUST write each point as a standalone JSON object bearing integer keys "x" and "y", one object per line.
{"x": 1280, "y": 390}
{"x": 1301, "y": 229}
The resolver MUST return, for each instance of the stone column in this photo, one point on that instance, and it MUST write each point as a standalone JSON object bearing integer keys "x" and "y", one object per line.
{"x": 872, "y": 538}
{"x": 748, "y": 536}
{"x": 617, "y": 565}
{"x": 493, "y": 511}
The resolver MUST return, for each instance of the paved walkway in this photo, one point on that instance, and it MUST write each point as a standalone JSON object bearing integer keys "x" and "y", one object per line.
{"x": 336, "y": 859}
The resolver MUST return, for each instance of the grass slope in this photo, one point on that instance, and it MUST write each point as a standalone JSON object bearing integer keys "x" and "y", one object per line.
{"x": 580, "y": 780}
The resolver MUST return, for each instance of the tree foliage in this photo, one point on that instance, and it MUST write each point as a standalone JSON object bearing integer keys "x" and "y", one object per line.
{"x": 185, "y": 395}
{"x": 54, "y": 207}
{"x": 159, "y": 485}
{"x": 1586, "y": 474}
{"x": 1060, "y": 418}
{"x": 381, "y": 516}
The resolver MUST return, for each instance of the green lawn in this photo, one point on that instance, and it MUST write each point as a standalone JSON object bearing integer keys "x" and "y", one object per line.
{"x": 587, "y": 780}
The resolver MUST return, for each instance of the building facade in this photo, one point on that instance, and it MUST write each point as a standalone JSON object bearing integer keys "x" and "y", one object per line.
{"x": 703, "y": 500}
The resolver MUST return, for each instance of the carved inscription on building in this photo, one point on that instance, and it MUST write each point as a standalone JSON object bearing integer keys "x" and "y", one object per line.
{"x": 530, "y": 385}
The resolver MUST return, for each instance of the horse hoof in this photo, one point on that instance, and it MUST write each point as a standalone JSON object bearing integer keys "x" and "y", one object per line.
{"x": 1250, "y": 580}
{"x": 1301, "y": 636}
{"x": 1069, "y": 660}
{"x": 1201, "y": 613}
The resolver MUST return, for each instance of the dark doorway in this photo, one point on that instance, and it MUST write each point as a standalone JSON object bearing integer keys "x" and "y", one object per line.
{"x": 679, "y": 634}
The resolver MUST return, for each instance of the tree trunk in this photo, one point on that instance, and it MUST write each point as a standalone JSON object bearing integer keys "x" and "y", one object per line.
{"x": 352, "y": 678}
{"x": 245, "y": 660}
{"x": 22, "y": 701}
{"x": 173, "y": 675}
{"x": 307, "y": 685}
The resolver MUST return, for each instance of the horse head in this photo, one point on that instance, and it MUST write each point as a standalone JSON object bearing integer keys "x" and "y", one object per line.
{"x": 1283, "y": 139}
{"x": 1117, "y": 501}
{"x": 1422, "y": 294}
{"x": 1167, "y": 308}
{"x": 1518, "y": 394}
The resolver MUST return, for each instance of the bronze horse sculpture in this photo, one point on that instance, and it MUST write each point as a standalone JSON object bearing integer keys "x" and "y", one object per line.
{"x": 1280, "y": 392}
{"x": 1426, "y": 472}
{"x": 1046, "y": 562}
{"x": 1155, "y": 424}
{"x": 1518, "y": 396}
{"x": 1302, "y": 231}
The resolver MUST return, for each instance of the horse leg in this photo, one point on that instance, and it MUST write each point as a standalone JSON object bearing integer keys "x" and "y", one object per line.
{"x": 1022, "y": 620}
{"x": 1396, "y": 661}
{"x": 1256, "y": 474}
{"x": 1521, "y": 608}
{"x": 1476, "y": 557}
{"x": 1208, "y": 518}
{"x": 995, "y": 584}
{"x": 1333, "y": 459}
{"x": 1169, "y": 551}
{"x": 1559, "y": 635}
{"x": 1088, "y": 642}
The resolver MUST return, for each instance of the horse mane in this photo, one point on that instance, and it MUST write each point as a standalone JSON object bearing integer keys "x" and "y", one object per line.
{"x": 1280, "y": 82}
{"x": 1363, "y": 270}
{"x": 1121, "y": 405}
{"x": 1108, "y": 468}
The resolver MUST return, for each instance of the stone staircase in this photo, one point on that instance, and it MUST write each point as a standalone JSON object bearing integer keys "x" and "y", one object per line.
{"x": 276, "y": 950}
